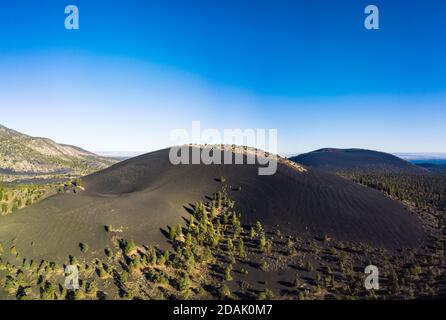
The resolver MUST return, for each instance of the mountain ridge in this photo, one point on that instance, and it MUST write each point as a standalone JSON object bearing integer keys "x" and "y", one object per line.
{"x": 21, "y": 155}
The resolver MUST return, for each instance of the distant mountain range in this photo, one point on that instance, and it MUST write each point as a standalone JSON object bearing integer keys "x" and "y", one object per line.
{"x": 422, "y": 156}
{"x": 23, "y": 155}
{"x": 331, "y": 159}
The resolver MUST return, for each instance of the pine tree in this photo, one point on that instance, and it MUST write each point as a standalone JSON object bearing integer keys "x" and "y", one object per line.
{"x": 184, "y": 282}
{"x": 229, "y": 245}
{"x": 172, "y": 233}
{"x": 83, "y": 247}
{"x": 224, "y": 291}
{"x": 213, "y": 213}
{"x": 179, "y": 230}
{"x": 252, "y": 232}
{"x": 262, "y": 242}
{"x": 259, "y": 227}
{"x": 218, "y": 231}
{"x": 241, "y": 248}
{"x": 228, "y": 271}
{"x": 188, "y": 241}
{"x": 234, "y": 219}
{"x": 203, "y": 211}
{"x": 191, "y": 223}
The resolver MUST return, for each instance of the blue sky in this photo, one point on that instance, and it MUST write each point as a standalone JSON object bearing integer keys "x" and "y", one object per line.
{"x": 136, "y": 70}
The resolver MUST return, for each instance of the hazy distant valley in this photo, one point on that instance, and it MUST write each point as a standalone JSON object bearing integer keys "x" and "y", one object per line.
{"x": 146, "y": 229}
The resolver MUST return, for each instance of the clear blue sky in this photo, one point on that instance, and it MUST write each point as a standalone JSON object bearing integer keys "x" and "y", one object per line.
{"x": 138, "y": 69}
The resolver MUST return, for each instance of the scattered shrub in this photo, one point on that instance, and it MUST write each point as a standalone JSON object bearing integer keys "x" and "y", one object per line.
{"x": 266, "y": 295}
{"x": 224, "y": 292}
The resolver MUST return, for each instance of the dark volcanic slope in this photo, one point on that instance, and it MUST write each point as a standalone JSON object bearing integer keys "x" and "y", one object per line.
{"x": 331, "y": 159}
{"x": 146, "y": 193}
